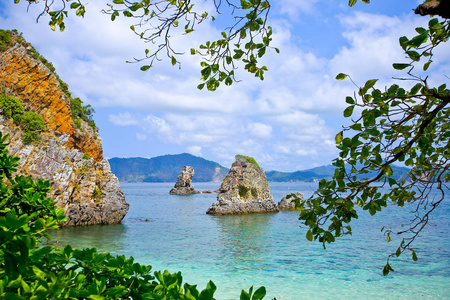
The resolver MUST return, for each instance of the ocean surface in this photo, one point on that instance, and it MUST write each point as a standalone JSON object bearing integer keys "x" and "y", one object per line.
{"x": 271, "y": 250}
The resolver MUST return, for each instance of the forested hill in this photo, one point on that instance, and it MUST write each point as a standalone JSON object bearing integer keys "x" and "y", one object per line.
{"x": 322, "y": 172}
{"x": 165, "y": 168}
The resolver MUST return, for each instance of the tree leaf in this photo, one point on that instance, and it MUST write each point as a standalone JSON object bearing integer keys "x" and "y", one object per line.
{"x": 309, "y": 235}
{"x": 414, "y": 256}
{"x": 341, "y": 76}
{"x": 349, "y": 111}
{"x": 400, "y": 66}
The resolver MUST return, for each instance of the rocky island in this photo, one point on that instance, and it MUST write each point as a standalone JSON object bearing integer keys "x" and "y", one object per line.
{"x": 183, "y": 185}
{"x": 55, "y": 137}
{"x": 288, "y": 203}
{"x": 244, "y": 190}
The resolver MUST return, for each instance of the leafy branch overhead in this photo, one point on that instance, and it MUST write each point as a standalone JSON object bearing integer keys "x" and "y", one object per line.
{"x": 156, "y": 22}
{"x": 395, "y": 125}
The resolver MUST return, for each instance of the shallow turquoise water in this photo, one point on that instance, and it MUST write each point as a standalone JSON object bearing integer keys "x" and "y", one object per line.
{"x": 237, "y": 252}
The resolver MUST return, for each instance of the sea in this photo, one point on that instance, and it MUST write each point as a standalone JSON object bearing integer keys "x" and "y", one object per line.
{"x": 171, "y": 232}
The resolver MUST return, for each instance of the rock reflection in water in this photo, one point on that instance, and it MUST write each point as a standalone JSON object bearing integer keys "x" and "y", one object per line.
{"x": 244, "y": 239}
{"x": 107, "y": 238}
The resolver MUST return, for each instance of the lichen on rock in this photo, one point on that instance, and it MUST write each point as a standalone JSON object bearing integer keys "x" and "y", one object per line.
{"x": 244, "y": 190}
{"x": 183, "y": 185}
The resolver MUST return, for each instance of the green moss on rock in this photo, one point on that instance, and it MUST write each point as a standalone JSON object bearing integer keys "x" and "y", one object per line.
{"x": 249, "y": 159}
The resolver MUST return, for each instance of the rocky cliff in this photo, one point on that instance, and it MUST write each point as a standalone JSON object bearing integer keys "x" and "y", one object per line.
{"x": 244, "y": 190}
{"x": 69, "y": 152}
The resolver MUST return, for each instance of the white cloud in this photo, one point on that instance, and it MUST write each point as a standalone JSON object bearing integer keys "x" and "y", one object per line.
{"x": 294, "y": 7}
{"x": 123, "y": 119}
{"x": 140, "y": 136}
{"x": 195, "y": 150}
{"x": 259, "y": 130}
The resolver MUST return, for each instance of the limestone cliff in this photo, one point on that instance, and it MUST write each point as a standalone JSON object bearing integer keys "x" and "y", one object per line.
{"x": 244, "y": 190}
{"x": 68, "y": 154}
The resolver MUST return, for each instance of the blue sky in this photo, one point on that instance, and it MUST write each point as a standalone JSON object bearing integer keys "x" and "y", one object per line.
{"x": 286, "y": 122}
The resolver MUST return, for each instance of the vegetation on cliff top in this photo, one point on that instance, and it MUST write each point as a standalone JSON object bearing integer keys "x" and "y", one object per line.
{"x": 248, "y": 159}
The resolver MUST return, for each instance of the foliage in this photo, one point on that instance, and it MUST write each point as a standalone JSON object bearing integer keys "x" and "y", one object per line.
{"x": 32, "y": 270}
{"x": 247, "y": 159}
{"x": 245, "y": 192}
{"x": 5, "y": 40}
{"x": 83, "y": 112}
{"x": 411, "y": 127}
{"x": 10, "y": 106}
{"x": 97, "y": 194}
{"x": 30, "y": 122}
{"x": 244, "y": 42}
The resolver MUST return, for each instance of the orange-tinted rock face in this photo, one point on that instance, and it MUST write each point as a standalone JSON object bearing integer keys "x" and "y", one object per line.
{"x": 84, "y": 186}
{"x": 37, "y": 88}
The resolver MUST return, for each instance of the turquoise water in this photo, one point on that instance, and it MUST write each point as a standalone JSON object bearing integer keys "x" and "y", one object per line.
{"x": 237, "y": 252}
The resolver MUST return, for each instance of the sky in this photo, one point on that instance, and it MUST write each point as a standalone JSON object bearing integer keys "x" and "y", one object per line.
{"x": 287, "y": 122}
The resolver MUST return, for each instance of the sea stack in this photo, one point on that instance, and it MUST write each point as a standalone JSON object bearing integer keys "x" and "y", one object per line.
{"x": 183, "y": 185}
{"x": 244, "y": 190}
{"x": 289, "y": 204}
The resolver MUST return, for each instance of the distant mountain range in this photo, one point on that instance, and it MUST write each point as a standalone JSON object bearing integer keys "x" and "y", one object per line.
{"x": 166, "y": 168}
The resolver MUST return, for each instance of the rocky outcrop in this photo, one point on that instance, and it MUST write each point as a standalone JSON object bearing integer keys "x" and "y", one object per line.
{"x": 67, "y": 155}
{"x": 39, "y": 89}
{"x": 183, "y": 185}
{"x": 289, "y": 204}
{"x": 244, "y": 190}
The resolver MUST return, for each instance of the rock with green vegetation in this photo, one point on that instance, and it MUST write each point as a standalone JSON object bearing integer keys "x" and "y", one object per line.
{"x": 288, "y": 201}
{"x": 39, "y": 116}
{"x": 244, "y": 190}
{"x": 183, "y": 185}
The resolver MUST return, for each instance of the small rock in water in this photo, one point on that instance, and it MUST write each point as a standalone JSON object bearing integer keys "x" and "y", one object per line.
{"x": 183, "y": 184}
{"x": 289, "y": 204}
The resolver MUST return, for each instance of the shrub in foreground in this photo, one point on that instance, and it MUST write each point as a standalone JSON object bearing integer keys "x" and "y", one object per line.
{"x": 30, "y": 270}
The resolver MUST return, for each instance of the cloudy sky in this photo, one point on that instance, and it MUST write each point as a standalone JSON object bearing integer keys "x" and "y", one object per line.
{"x": 286, "y": 122}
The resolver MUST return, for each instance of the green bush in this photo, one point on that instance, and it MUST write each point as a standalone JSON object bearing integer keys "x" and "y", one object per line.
{"x": 31, "y": 270}
{"x": 97, "y": 194}
{"x": 83, "y": 112}
{"x": 11, "y": 106}
{"x": 30, "y": 122}
{"x": 5, "y": 40}
{"x": 248, "y": 159}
